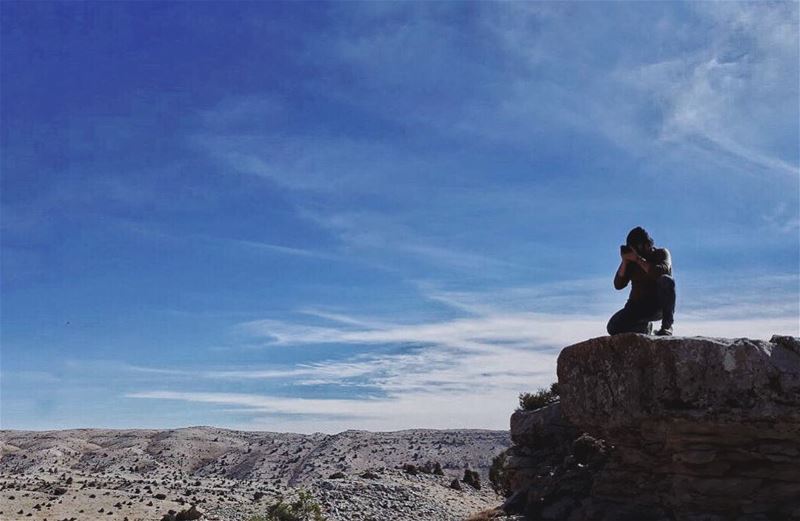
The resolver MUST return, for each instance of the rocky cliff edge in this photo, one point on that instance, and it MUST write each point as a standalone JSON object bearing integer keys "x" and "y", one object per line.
{"x": 664, "y": 428}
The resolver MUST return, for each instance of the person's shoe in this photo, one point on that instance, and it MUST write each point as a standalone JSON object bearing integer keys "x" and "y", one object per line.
{"x": 664, "y": 331}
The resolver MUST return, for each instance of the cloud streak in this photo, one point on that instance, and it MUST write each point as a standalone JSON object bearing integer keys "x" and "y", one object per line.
{"x": 484, "y": 359}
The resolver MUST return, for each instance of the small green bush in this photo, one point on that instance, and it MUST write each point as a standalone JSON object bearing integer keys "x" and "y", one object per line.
{"x": 539, "y": 399}
{"x": 304, "y": 508}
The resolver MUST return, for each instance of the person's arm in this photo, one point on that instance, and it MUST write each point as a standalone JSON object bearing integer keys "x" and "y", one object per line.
{"x": 655, "y": 269}
{"x": 620, "y": 280}
{"x": 664, "y": 266}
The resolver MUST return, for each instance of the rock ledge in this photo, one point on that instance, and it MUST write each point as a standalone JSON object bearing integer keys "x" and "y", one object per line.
{"x": 673, "y": 428}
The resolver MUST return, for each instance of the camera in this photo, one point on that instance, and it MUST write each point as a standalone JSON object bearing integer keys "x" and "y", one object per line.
{"x": 625, "y": 249}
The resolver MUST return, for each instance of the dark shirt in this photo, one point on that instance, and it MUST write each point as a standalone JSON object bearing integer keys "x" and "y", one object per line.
{"x": 644, "y": 286}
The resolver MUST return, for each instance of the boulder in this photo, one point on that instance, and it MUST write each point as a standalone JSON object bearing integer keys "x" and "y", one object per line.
{"x": 613, "y": 383}
{"x": 665, "y": 428}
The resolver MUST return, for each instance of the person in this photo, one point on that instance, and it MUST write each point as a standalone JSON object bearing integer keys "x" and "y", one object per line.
{"x": 652, "y": 296}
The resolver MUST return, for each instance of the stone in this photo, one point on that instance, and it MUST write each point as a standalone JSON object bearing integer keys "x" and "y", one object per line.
{"x": 542, "y": 426}
{"x": 658, "y": 428}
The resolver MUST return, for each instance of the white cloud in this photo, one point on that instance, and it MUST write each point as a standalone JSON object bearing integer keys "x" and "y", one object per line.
{"x": 727, "y": 93}
{"x": 409, "y": 411}
{"x": 782, "y": 219}
{"x": 464, "y": 372}
{"x": 472, "y": 334}
{"x": 435, "y": 387}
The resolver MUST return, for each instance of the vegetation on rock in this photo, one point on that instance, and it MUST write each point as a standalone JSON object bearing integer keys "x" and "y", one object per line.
{"x": 539, "y": 399}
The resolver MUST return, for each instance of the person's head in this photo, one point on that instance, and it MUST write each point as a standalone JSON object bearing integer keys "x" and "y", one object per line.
{"x": 639, "y": 240}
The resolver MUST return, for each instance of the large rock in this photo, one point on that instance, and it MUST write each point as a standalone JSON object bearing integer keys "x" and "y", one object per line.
{"x": 613, "y": 383}
{"x": 677, "y": 428}
{"x": 700, "y": 426}
{"x": 540, "y": 468}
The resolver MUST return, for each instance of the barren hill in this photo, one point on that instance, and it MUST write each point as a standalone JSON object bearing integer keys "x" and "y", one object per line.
{"x": 76, "y": 473}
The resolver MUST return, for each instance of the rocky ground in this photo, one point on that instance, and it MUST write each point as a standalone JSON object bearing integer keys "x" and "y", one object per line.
{"x": 90, "y": 474}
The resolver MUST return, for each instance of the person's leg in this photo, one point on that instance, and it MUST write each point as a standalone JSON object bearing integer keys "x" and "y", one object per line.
{"x": 618, "y": 323}
{"x": 666, "y": 300}
{"x": 630, "y": 319}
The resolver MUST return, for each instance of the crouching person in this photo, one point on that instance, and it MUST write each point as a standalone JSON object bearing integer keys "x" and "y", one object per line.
{"x": 652, "y": 296}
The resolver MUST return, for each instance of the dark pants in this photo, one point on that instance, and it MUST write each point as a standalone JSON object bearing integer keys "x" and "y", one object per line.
{"x": 636, "y": 315}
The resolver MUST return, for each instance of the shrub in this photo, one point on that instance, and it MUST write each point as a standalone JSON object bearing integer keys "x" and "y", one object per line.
{"x": 189, "y": 515}
{"x": 304, "y": 508}
{"x": 410, "y": 469}
{"x": 472, "y": 478}
{"x": 539, "y": 399}
{"x": 497, "y": 474}
{"x": 429, "y": 467}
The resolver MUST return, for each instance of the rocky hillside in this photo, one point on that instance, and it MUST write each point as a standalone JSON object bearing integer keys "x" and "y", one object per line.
{"x": 142, "y": 474}
{"x": 664, "y": 428}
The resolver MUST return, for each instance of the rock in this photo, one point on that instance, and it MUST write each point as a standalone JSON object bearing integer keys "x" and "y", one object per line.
{"x": 542, "y": 426}
{"x": 586, "y": 449}
{"x": 610, "y": 383}
{"x": 683, "y": 428}
{"x": 515, "y": 504}
{"x": 455, "y": 485}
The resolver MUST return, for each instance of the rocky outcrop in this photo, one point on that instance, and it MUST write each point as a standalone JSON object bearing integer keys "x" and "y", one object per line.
{"x": 664, "y": 428}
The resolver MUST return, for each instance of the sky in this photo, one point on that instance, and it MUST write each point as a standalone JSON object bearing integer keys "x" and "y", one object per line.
{"x": 314, "y": 217}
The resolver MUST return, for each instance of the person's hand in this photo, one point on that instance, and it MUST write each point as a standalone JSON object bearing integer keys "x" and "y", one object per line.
{"x": 631, "y": 256}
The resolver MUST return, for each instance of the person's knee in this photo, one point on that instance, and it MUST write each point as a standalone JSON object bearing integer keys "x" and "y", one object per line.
{"x": 613, "y": 326}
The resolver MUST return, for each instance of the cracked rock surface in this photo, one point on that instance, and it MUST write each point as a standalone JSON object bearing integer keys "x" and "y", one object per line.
{"x": 664, "y": 428}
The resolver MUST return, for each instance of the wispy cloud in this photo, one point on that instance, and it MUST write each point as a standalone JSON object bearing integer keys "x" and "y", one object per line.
{"x": 474, "y": 333}
{"x": 485, "y": 358}
{"x": 782, "y": 219}
{"x": 433, "y": 410}
{"x": 161, "y": 233}
{"x": 723, "y": 94}
{"x": 379, "y": 232}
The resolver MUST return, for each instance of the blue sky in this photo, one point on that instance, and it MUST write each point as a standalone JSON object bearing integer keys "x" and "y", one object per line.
{"x": 322, "y": 216}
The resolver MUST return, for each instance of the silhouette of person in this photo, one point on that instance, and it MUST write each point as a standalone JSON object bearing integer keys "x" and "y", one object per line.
{"x": 652, "y": 296}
